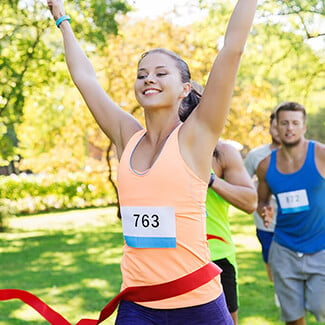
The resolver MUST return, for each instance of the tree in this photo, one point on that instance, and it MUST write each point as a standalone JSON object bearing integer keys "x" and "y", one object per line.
{"x": 277, "y": 65}
{"x": 19, "y": 49}
{"x": 306, "y": 15}
{"x": 23, "y": 51}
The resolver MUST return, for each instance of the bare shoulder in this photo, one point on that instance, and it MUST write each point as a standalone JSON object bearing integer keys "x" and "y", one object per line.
{"x": 262, "y": 167}
{"x": 227, "y": 149}
{"x": 320, "y": 150}
{"x": 228, "y": 155}
{"x": 320, "y": 157}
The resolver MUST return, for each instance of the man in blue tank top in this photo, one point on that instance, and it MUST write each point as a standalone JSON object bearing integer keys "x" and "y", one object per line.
{"x": 295, "y": 174}
{"x": 252, "y": 160}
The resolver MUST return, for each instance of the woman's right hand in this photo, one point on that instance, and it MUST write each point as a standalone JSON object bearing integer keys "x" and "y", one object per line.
{"x": 57, "y": 8}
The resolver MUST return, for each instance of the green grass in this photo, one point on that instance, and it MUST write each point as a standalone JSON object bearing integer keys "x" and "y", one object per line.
{"x": 71, "y": 261}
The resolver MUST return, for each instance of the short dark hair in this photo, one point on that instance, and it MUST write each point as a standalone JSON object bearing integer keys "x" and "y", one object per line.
{"x": 290, "y": 106}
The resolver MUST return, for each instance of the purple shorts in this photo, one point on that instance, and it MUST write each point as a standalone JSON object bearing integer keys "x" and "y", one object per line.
{"x": 212, "y": 313}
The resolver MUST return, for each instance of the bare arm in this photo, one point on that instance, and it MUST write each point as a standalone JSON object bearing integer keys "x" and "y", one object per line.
{"x": 107, "y": 114}
{"x": 234, "y": 185}
{"x": 320, "y": 158}
{"x": 214, "y": 106}
{"x": 206, "y": 122}
{"x": 264, "y": 208}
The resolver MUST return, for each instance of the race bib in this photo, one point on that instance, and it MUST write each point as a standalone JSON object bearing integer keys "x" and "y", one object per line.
{"x": 149, "y": 227}
{"x": 291, "y": 202}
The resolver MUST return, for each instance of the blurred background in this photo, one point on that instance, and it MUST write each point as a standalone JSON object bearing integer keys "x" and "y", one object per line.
{"x": 52, "y": 153}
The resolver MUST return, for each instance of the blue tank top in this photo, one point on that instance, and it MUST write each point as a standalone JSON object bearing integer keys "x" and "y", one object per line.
{"x": 301, "y": 210}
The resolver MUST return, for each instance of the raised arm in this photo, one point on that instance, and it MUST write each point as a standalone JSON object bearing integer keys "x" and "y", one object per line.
{"x": 234, "y": 184}
{"x": 208, "y": 119}
{"x": 116, "y": 123}
{"x": 264, "y": 208}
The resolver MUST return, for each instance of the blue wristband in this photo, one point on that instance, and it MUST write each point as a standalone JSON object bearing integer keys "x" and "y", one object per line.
{"x": 61, "y": 19}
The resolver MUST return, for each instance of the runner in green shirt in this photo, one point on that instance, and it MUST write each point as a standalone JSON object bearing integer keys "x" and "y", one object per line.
{"x": 229, "y": 184}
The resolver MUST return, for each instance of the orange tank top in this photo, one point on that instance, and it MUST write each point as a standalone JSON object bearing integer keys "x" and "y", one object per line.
{"x": 164, "y": 224}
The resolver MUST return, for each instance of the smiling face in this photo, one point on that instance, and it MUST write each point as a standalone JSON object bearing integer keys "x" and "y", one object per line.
{"x": 291, "y": 127}
{"x": 158, "y": 83}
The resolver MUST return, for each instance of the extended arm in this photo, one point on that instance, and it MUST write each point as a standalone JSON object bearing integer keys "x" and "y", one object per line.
{"x": 235, "y": 186}
{"x": 206, "y": 122}
{"x": 215, "y": 103}
{"x": 264, "y": 208}
{"x": 107, "y": 114}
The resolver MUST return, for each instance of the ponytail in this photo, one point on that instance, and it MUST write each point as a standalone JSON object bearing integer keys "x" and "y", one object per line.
{"x": 189, "y": 103}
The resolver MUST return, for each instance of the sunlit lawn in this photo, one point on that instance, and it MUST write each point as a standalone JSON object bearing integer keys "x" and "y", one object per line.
{"x": 71, "y": 261}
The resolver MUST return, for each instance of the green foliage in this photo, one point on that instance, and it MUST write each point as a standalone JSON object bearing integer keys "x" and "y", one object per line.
{"x": 23, "y": 51}
{"x": 45, "y": 116}
{"x": 5, "y": 214}
{"x": 296, "y": 6}
{"x": 316, "y": 125}
{"x": 39, "y": 193}
{"x": 71, "y": 261}
{"x": 303, "y": 17}
{"x": 20, "y": 38}
{"x": 286, "y": 69}
{"x": 102, "y": 15}
{"x": 47, "y": 140}
{"x": 277, "y": 65}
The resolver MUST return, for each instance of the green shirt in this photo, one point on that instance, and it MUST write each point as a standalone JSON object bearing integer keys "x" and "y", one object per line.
{"x": 218, "y": 225}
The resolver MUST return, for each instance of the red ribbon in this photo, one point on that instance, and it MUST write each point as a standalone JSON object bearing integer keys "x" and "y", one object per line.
{"x": 165, "y": 290}
{"x": 42, "y": 308}
{"x": 215, "y": 237}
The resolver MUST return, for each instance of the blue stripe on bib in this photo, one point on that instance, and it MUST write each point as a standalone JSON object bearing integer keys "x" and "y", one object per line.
{"x": 295, "y": 209}
{"x": 150, "y": 242}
